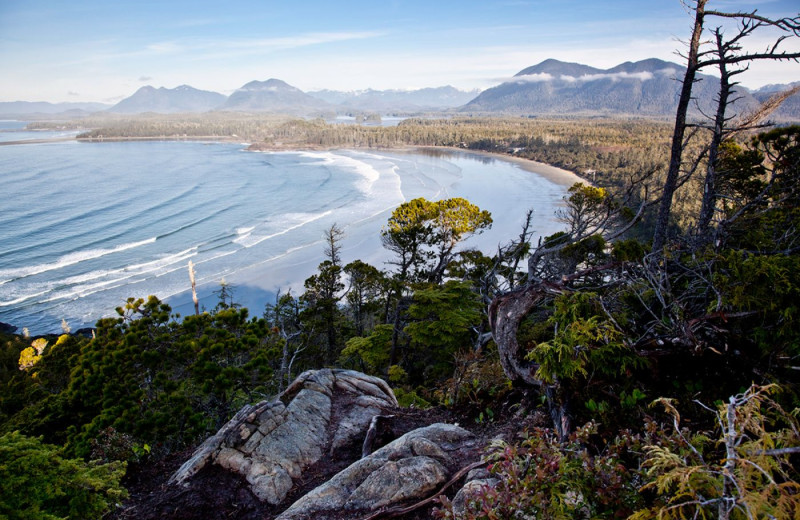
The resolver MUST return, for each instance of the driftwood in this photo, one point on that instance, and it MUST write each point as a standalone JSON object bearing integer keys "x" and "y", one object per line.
{"x": 376, "y": 430}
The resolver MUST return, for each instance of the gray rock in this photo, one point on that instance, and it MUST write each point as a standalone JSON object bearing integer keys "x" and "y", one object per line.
{"x": 408, "y": 468}
{"x": 398, "y": 481}
{"x": 471, "y": 489}
{"x": 271, "y": 443}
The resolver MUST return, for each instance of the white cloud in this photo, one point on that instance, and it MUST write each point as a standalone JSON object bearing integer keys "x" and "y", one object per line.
{"x": 616, "y": 76}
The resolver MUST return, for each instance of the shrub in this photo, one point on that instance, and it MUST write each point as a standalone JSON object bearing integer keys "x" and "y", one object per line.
{"x": 540, "y": 477}
{"x": 38, "y": 483}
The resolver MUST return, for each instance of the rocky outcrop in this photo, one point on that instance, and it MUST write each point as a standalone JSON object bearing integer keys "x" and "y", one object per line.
{"x": 408, "y": 468}
{"x": 271, "y": 443}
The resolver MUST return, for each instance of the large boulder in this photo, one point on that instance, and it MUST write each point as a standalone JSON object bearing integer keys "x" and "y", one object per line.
{"x": 271, "y": 443}
{"x": 407, "y": 469}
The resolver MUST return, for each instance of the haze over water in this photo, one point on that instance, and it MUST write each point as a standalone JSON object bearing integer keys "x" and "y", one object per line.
{"x": 83, "y": 226}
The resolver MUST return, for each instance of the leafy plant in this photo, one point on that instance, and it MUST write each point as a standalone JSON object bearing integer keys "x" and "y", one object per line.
{"x": 539, "y": 477}
{"x": 742, "y": 471}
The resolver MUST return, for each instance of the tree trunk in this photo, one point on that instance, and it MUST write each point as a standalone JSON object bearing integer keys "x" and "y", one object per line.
{"x": 505, "y": 314}
{"x": 676, "y": 154}
{"x": 710, "y": 187}
{"x": 558, "y": 406}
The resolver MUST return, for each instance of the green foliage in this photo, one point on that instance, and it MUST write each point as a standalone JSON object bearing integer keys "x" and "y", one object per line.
{"x": 585, "y": 342}
{"x": 162, "y": 382}
{"x": 111, "y": 445}
{"x": 397, "y": 374}
{"x": 410, "y": 398}
{"x": 38, "y": 482}
{"x": 442, "y": 320}
{"x": 742, "y": 471}
{"x": 423, "y": 235}
{"x": 367, "y": 285}
{"x": 478, "y": 381}
{"x": 322, "y": 311}
{"x": 371, "y": 353}
{"x": 630, "y": 250}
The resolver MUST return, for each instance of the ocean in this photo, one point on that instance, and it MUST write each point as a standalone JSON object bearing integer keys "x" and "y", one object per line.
{"x": 84, "y": 226}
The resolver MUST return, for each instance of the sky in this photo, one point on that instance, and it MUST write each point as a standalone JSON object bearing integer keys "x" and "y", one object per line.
{"x": 104, "y": 50}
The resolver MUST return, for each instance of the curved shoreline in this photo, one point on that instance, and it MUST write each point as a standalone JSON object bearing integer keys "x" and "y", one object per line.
{"x": 549, "y": 172}
{"x": 483, "y": 177}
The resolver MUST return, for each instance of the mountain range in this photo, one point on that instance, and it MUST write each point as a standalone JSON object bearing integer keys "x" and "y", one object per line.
{"x": 384, "y": 101}
{"x": 274, "y": 96}
{"x": 647, "y": 88}
{"x": 43, "y": 109}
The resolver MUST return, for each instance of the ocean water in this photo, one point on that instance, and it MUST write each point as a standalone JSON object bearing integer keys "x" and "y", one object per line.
{"x": 83, "y": 226}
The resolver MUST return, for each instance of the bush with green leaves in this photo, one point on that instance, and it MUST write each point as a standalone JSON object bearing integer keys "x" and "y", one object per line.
{"x": 147, "y": 376}
{"x": 38, "y": 483}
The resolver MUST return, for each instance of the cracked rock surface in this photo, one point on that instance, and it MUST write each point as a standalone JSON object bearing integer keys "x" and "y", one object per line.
{"x": 408, "y": 468}
{"x": 271, "y": 443}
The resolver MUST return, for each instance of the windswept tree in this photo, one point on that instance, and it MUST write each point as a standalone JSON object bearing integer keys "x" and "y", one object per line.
{"x": 454, "y": 220}
{"x": 729, "y": 55}
{"x": 424, "y": 235}
{"x": 593, "y": 217}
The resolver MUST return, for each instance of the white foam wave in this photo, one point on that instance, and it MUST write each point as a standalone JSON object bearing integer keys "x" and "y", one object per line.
{"x": 7, "y": 275}
{"x": 78, "y": 286}
{"x": 21, "y": 299}
{"x": 242, "y": 234}
{"x": 163, "y": 261}
{"x": 368, "y": 173}
{"x": 294, "y": 221}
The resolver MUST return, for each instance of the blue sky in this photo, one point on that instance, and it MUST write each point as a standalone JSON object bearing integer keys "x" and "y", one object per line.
{"x": 76, "y": 50}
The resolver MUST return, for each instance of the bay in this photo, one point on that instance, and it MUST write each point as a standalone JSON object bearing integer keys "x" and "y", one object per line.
{"x": 83, "y": 226}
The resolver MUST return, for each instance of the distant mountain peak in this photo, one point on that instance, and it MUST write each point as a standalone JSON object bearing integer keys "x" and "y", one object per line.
{"x": 169, "y": 100}
{"x": 557, "y": 68}
{"x": 645, "y": 87}
{"x": 271, "y": 84}
{"x": 274, "y": 95}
